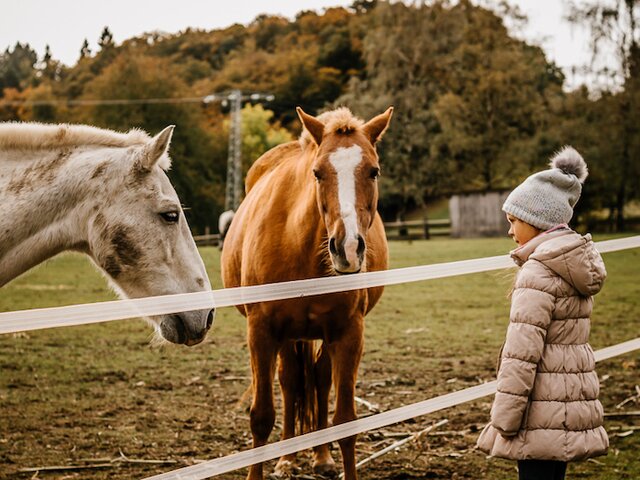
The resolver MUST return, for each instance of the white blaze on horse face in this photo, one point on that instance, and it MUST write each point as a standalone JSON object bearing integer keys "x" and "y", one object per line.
{"x": 345, "y": 161}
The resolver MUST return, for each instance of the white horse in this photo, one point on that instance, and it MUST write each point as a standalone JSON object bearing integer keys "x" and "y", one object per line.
{"x": 105, "y": 194}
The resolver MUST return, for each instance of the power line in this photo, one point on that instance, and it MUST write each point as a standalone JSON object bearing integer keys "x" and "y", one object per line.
{"x": 89, "y": 102}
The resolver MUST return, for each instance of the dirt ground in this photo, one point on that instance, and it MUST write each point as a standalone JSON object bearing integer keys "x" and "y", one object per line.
{"x": 95, "y": 401}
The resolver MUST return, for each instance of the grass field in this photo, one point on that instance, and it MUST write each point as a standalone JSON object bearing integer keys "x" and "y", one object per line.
{"x": 88, "y": 393}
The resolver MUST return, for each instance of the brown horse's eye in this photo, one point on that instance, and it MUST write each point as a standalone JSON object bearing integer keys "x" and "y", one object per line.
{"x": 375, "y": 173}
{"x": 317, "y": 174}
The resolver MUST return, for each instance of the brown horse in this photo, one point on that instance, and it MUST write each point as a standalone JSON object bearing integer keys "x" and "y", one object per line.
{"x": 310, "y": 211}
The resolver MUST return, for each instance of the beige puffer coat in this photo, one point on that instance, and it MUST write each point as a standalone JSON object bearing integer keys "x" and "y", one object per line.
{"x": 546, "y": 406}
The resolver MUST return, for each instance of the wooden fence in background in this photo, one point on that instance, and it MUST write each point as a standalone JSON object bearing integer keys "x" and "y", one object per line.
{"x": 417, "y": 229}
{"x": 409, "y": 230}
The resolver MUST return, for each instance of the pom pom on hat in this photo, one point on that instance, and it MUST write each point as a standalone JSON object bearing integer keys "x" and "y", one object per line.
{"x": 571, "y": 162}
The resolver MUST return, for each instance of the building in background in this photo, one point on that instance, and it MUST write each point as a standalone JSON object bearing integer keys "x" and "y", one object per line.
{"x": 478, "y": 214}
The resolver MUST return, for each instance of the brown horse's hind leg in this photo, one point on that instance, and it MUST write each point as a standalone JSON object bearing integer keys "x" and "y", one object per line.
{"x": 323, "y": 464}
{"x": 263, "y": 349}
{"x": 345, "y": 358}
{"x": 289, "y": 375}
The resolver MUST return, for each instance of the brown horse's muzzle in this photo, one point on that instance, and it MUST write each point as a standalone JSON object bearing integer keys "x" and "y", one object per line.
{"x": 187, "y": 328}
{"x": 347, "y": 257}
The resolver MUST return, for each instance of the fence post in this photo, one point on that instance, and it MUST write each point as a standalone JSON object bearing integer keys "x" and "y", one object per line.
{"x": 403, "y": 230}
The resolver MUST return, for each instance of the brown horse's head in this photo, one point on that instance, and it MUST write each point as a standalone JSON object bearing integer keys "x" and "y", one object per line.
{"x": 346, "y": 170}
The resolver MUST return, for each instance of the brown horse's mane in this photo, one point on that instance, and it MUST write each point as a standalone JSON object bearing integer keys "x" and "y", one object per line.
{"x": 340, "y": 120}
{"x": 268, "y": 161}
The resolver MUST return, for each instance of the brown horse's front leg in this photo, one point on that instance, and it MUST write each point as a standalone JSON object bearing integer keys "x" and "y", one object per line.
{"x": 289, "y": 375}
{"x": 323, "y": 464}
{"x": 345, "y": 358}
{"x": 263, "y": 350}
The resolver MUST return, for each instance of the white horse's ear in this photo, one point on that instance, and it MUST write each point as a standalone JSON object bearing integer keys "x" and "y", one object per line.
{"x": 375, "y": 128}
{"x": 157, "y": 147}
{"x": 314, "y": 126}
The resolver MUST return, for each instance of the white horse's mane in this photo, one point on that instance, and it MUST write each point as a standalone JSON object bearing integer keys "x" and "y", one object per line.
{"x": 36, "y": 136}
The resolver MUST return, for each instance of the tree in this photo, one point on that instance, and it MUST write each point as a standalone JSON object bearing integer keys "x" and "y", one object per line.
{"x": 476, "y": 108}
{"x": 106, "y": 55}
{"x": 13, "y": 111}
{"x": 616, "y": 24}
{"x": 39, "y": 112}
{"x": 47, "y": 55}
{"x": 463, "y": 99}
{"x": 106, "y": 39}
{"x": 49, "y": 68}
{"x": 18, "y": 67}
{"x": 338, "y": 51}
{"x": 364, "y": 6}
{"x": 85, "y": 51}
{"x": 267, "y": 29}
{"x": 258, "y": 133}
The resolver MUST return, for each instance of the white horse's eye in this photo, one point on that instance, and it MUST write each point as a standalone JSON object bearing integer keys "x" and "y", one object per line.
{"x": 170, "y": 217}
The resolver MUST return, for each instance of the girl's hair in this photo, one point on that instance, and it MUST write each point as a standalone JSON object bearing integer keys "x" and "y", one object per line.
{"x": 511, "y": 273}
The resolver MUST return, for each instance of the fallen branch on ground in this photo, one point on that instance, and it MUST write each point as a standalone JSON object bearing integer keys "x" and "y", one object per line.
{"x": 635, "y": 413}
{"x": 444, "y": 433}
{"x": 457, "y": 454}
{"x": 399, "y": 443}
{"x": 623, "y": 427}
{"x": 56, "y": 468}
{"x": 372, "y": 407}
{"x": 632, "y": 398}
{"x": 99, "y": 463}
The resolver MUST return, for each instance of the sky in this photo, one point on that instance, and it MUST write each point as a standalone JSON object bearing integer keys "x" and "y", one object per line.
{"x": 64, "y": 24}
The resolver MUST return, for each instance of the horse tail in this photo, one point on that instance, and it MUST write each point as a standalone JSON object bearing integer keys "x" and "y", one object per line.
{"x": 306, "y": 402}
{"x": 224, "y": 223}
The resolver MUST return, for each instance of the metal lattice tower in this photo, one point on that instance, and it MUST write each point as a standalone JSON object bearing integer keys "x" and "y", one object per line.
{"x": 234, "y": 187}
{"x": 234, "y": 159}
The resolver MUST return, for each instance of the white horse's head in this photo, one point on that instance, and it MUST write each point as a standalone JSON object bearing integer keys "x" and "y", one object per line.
{"x": 139, "y": 236}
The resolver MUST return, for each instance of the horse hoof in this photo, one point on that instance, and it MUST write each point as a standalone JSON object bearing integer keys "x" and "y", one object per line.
{"x": 284, "y": 469}
{"x": 327, "y": 470}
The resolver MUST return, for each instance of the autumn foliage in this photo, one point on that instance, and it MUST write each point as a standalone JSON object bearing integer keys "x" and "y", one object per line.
{"x": 475, "y": 107}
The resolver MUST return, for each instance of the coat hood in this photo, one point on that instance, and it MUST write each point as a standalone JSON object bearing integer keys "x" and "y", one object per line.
{"x": 571, "y": 256}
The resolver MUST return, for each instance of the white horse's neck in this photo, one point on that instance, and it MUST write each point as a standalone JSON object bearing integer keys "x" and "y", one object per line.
{"x": 45, "y": 205}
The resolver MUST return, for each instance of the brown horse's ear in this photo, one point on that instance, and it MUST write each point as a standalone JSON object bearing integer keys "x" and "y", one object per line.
{"x": 157, "y": 147}
{"x": 375, "y": 128}
{"x": 314, "y": 126}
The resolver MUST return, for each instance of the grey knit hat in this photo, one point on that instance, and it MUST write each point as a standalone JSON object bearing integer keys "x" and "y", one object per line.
{"x": 547, "y": 198}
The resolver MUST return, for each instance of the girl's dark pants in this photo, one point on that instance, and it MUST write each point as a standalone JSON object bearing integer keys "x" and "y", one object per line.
{"x": 541, "y": 470}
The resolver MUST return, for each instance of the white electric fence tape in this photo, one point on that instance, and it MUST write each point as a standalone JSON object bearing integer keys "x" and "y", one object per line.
{"x": 35, "y": 319}
{"x": 285, "y": 447}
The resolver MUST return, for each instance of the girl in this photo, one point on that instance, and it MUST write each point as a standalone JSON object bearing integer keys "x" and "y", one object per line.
{"x": 546, "y": 411}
